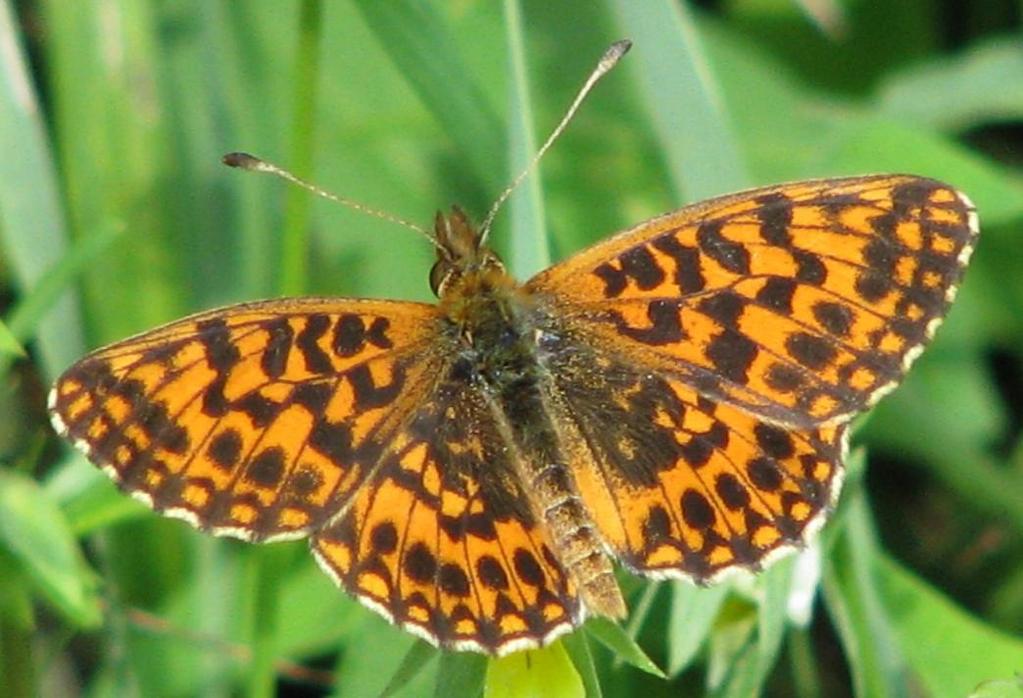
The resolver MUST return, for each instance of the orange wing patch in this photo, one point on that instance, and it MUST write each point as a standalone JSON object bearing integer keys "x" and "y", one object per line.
{"x": 255, "y": 421}
{"x": 803, "y": 303}
{"x": 443, "y": 539}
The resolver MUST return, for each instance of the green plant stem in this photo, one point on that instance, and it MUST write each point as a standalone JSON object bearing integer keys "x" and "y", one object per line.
{"x": 295, "y": 243}
{"x": 269, "y": 562}
{"x": 267, "y": 572}
{"x": 805, "y": 676}
{"x": 529, "y": 244}
{"x": 16, "y": 661}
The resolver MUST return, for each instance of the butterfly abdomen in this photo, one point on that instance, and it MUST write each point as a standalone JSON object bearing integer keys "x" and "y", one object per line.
{"x": 508, "y": 371}
{"x": 545, "y": 473}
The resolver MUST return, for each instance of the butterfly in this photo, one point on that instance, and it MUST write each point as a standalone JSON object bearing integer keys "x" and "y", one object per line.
{"x": 675, "y": 398}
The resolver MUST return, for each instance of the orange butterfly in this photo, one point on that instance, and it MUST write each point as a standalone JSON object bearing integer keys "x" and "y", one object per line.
{"x": 675, "y": 398}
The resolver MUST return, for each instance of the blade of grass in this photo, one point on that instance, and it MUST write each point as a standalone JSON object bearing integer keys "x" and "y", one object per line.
{"x": 415, "y": 660}
{"x": 954, "y": 446}
{"x": 957, "y": 93}
{"x": 529, "y": 251}
{"x": 806, "y": 674}
{"x": 693, "y": 610}
{"x": 31, "y": 310}
{"x": 380, "y": 659}
{"x": 423, "y": 47}
{"x": 267, "y": 566}
{"x": 681, "y": 96}
{"x": 614, "y": 637}
{"x": 252, "y": 112}
{"x": 111, "y": 130}
{"x": 34, "y": 532}
{"x": 756, "y": 662}
{"x": 853, "y": 602}
{"x": 640, "y": 608}
{"x": 295, "y": 247}
{"x": 460, "y": 674}
{"x": 33, "y": 234}
{"x": 294, "y": 253}
{"x": 578, "y": 648}
{"x": 17, "y": 632}
{"x": 10, "y": 347}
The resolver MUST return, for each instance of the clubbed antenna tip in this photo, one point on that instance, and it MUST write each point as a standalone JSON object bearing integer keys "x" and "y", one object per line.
{"x": 245, "y": 161}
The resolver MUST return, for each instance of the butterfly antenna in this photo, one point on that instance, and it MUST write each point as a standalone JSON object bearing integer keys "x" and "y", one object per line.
{"x": 244, "y": 161}
{"x": 608, "y": 61}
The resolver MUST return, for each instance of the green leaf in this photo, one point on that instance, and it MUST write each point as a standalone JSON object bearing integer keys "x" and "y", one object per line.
{"x": 542, "y": 673}
{"x": 950, "y": 652}
{"x": 36, "y": 534}
{"x": 693, "y": 610}
{"x": 955, "y": 93}
{"x": 460, "y": 674}
{"x": 9, "y": 344}
{"x": 417, "y": 657}
{"x": 578, "y": 647}
{"x": 853, "y": 601}
{"x": 614, "y": 637}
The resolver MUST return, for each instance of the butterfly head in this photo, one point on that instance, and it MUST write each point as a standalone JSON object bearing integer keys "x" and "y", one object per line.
{"x": 462, "y": 256}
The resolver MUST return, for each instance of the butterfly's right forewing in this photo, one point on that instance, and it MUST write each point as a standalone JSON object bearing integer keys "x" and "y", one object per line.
{"x": 256, "y": 421}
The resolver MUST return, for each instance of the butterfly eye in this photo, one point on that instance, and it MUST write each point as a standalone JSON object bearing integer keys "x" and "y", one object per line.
{"x": 440, "y": 274}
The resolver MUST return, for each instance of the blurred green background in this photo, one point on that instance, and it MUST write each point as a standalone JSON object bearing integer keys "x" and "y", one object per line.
{"x": 116, "y": 215}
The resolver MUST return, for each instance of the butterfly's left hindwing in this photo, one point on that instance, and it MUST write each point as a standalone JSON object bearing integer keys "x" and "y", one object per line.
{"x": 443, "y": 538}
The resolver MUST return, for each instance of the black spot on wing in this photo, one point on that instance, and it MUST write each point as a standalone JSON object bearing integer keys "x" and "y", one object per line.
{"x": 688, "y": 275}
{"x": 275, "y": 356}
{"x": 316, "y": 359}
{"x": 731, "y": 255}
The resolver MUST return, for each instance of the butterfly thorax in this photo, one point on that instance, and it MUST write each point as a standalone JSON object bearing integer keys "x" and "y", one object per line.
{"x": 499, "y": 327}
{"x": 477, "y": 295}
